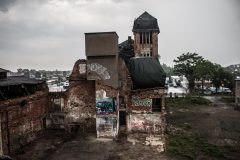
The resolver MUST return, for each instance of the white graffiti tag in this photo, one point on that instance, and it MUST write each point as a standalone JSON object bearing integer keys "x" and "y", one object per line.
{"x": 99, "y": 69}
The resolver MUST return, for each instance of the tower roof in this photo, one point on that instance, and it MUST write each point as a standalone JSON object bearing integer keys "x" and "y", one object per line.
{"x": 145, "y": 22}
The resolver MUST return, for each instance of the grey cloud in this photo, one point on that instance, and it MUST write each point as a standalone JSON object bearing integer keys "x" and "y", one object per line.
{"x": 46, "y": 34}
{"x": 6, "y": 4}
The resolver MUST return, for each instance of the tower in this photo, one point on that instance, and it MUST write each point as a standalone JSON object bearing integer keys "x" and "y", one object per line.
{"x": 146, "y": 30}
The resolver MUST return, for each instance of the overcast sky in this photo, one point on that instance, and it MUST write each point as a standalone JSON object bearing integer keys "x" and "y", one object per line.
{"x": 49, "y": 34}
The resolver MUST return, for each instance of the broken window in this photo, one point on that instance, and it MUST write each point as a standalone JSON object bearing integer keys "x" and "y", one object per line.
{"x": 156, "y": 105}
{"x": 150, "y": 37}
{"x": 141, "y": 38}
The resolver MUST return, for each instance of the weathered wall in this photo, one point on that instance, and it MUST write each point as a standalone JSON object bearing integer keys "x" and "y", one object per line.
{"x": 102, "y": 57}
{"x": 101, "y": 43}
{"x": 103, "y": 68}
{"x": 22, "y": 119}
{"x": 140, "y": 101}
{"x": 145, "y": 123}
{"x": 107, "y": 126}
{"x": 106, "y": 120}
{"x": 80, "y": 107}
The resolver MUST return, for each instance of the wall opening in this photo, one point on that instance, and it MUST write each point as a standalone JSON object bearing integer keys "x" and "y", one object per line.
{"x": 156, "y": 105}
{"x": 122, "y": 118}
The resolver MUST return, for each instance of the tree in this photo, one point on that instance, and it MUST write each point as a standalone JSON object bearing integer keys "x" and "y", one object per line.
{"x": 185, "y": 65}
{"x": 168, "y": 70}
{"x": 204, "y": 70}
{"x": 222, "y": 77}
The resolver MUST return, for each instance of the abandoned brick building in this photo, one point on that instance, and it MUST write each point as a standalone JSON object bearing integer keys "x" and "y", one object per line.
{"x": 125, "y": 80}
{"x": 23, "y": 106}
{"x": 118, "y": 88}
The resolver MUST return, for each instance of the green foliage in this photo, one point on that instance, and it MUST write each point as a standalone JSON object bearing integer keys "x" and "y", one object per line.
{"x": 222, "y": 77}
{"x": 195, "y": 67}
{"x": 204, "y": 70}
{"x": 185, "y": 65}
{"x": 168, "y": 70}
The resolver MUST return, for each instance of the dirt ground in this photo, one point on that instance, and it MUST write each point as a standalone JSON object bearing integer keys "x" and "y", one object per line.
{"x": 206, "y": 132}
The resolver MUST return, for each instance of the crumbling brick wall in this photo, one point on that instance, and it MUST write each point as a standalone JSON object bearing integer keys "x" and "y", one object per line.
{"x": 22, "y": 119}
{"x": 144, "y": 124}
{"x": 79, "y": 108}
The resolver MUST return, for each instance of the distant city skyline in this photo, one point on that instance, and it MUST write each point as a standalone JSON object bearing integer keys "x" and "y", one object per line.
{"x": 49, "y": 34}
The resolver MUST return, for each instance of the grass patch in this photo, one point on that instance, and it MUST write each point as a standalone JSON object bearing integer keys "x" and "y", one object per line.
{"x": 227, "y": 99}
{"x": 190, "y": 145}
{"x": 186, "y": 101}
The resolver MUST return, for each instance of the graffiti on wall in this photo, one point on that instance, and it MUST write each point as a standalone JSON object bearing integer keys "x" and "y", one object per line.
{"x": 100, "y": 94}
{"x": 106, "y": 105}
{"x": 106, "y": 126}
{"x": 141, "y": 102}
{"x": 99, "y": 69}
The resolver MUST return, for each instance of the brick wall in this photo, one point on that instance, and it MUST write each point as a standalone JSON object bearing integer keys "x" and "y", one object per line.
{"x": 79, "y": 108}
{"x": 22, "y": 119}
{"x": 138, "y": 48}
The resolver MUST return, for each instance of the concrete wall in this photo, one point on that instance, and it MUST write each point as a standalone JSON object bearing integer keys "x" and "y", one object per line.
{"x": 22, "y": 119}
{"x": 102, "y": 57}
{"x": 103, "y": 68}
{"x": 107, "y": 126}
{"x": 101, "y": 44}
